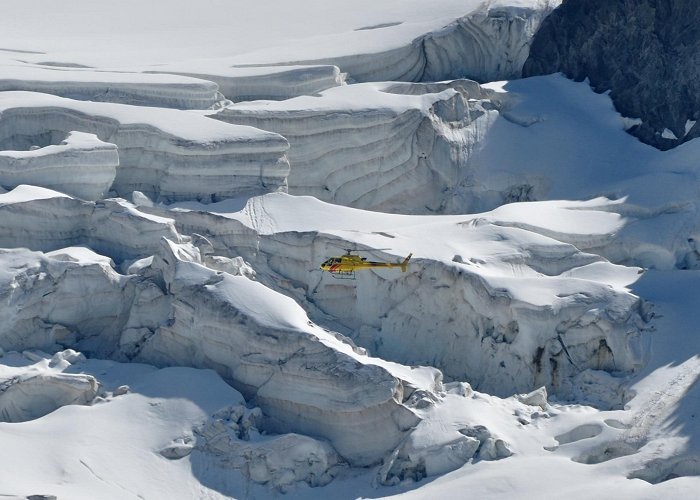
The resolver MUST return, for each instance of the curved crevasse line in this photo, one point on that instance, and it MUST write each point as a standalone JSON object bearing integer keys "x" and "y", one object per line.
{"x": 269, "y": 83}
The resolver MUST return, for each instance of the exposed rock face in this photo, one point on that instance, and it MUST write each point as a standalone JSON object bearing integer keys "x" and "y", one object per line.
{"x": 645, "y": 52}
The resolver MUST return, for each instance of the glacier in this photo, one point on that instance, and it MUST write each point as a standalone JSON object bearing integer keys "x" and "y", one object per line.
{"x": 156, "y": 146}
{"x": 172, "y": 176}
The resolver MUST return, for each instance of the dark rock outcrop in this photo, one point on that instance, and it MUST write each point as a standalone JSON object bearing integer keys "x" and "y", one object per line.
{"x": 646, "y": 52}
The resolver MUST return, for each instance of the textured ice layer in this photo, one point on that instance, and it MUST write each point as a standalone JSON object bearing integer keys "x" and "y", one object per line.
{"x": 249, "y": 83}
{"x": 168, "y": 154}
{"x": 490, "y": 43}
{"x": 231, "y": 441}
{"x": 389, "y": 147}
{"x": 70, "y": 298}
{"x": 165, "y": 91}
{"x": 304, "y": 378}
{"x": 81, "y": 165}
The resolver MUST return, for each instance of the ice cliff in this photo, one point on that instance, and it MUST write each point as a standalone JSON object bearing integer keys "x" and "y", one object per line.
{"x": 250, "y": 83}
{"x": 160, "y": 288}
{"x": 163, "y": 90}
{"x": 490, "y": 41}
{"x": 175, "y": 311}
{"x": 46, "y": 220}
{"x": 391, "y": 147}
{"x": 81, "y": 165}
{"x": 157, "y": 147}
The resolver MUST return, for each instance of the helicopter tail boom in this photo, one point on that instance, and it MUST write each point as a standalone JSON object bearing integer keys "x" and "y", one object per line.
{"x": 404, "y": 264}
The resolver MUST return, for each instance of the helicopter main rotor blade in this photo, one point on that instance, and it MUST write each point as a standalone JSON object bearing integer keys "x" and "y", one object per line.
{"x": 358, "y": 249}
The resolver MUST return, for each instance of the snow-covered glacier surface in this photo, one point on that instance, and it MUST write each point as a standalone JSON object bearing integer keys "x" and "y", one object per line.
{"x": 171, "y": 178}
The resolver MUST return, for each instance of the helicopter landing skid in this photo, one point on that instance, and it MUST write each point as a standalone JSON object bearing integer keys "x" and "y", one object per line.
{"x": 343, "y": 275}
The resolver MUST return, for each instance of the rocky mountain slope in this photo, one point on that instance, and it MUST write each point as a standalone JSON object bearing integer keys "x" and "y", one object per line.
{"x": 646, "y": 53}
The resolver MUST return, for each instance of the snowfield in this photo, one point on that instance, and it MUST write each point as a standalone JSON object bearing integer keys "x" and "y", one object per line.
{"x": 171, "y": 178}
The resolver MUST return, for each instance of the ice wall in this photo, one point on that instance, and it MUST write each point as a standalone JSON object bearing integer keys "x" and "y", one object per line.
{"x": 164, "y": 91}
{"x": 81, "y": 165}
{"x": 45, "y": 220}
{"x": 29, "y": 396}
{"x": 388, "y": 147}
{"x": 62, "y": 299}
{"x": 262, "y": 342}
{"x": 249, "y": 83}
{"x": 489, "y": 43}
{"x": 454, "y": 318}
{"x": 171, "y": 310}
{"x": 168, "y": 154}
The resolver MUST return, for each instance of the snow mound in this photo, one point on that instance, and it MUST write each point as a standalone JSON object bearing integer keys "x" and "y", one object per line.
{"x": 30, "y": 393}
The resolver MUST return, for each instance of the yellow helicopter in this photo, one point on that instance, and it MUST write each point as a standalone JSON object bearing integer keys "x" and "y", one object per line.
{"x": 344, "y": 267}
